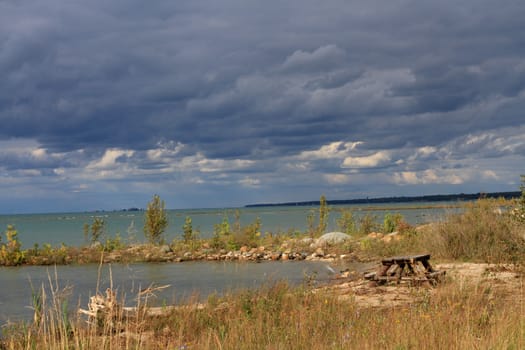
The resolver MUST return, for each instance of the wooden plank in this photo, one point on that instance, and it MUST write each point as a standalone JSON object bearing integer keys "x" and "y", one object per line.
{"x": 406, "y": 259}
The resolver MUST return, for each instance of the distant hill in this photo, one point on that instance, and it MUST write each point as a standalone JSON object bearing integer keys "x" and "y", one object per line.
{"x": 402, "y": 199}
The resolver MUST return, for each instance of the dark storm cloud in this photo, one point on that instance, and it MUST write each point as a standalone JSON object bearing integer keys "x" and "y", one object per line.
{"x": 128, "y": 75}
{"x": 139, "y": 87}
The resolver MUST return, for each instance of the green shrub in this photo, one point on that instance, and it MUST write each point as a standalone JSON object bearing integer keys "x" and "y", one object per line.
{"x": 94, "y": 232}
{"x": 391, "y": 222}
{"x": 367, "y": 224}
{"x": 346, "y": 222}
{"x": 155, "y": 220}
{"x": 10, "y": 252}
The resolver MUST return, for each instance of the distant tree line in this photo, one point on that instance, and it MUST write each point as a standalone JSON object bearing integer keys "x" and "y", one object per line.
{"x": 401, "y": 199}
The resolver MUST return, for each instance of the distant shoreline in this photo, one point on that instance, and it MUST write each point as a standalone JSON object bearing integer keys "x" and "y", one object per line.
{"x": 401, "y": 199}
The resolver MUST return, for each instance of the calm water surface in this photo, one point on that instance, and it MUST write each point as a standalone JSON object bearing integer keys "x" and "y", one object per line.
{"x": 184, "y": 280}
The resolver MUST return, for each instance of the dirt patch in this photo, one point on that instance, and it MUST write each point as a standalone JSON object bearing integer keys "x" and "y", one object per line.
{"x": 368, "y": 294}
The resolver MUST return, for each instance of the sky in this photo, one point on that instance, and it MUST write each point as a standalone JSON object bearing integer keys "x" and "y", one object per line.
{"x": 225, "y": 103}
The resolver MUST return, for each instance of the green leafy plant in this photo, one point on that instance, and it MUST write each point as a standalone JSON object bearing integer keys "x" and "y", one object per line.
{"x": 346, "y": 222}
{"x": 324, "y": 212}
{"x": 112, "y": 244}
{"x": 95, "y": 231}
{"x": 155, "y": 220}
{"x": 187, "y": 229}
{"x": 250, "y": 235}
{"x": 322, "y": 222}
{"x": 10, "y": 252}
{"x": 391, "y": 222}
{"x": 310, "y": 220}
{"x": 367, "y": 224}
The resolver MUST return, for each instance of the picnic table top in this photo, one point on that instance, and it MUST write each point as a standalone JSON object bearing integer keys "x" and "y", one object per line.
{"x": 406, "y": 259}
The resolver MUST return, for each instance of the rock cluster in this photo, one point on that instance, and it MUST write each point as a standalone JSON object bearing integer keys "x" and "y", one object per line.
{"x": 162, "y": 254}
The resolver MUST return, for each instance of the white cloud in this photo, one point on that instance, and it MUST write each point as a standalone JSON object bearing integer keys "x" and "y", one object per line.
{"x": 165, "y": 152}
{"x": 250, "y": 182}
{"x": 337, "y": 179}
{"x": 325, "y": 56}
{"x": 337, "y": 149}
{"x": 377, "y": 159}
{"x": 110, "y": 158}
{"x": 217, "y": 165}
{"x": 429, "y": 176}
{"x": 39, "y": 153}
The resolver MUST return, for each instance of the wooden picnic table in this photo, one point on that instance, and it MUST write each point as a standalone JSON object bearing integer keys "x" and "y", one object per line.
{"x": 414, "y": 269}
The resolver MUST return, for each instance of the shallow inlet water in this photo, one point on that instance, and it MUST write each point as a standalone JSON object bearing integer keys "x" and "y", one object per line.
{"x": 185, "y": 279}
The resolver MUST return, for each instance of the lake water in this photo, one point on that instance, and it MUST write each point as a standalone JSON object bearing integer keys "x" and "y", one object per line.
{"x": 184, "y": 278}
{"x": 67, "y": 228}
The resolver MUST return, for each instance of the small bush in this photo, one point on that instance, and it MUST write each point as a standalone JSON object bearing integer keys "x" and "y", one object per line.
{"x": 10, "y": 252}
{"x": 367, "y": 224}
{"x": 155, "y": 220}
{"x": 346, "y": 222}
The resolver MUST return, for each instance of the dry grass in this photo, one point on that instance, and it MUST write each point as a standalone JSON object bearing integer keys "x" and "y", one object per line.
{"x": 456, "y": 315}
{"x": 480, "y": 233}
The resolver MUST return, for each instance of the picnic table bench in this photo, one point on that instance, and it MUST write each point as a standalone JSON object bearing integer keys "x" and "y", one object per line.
{"x": 415, "y": 269}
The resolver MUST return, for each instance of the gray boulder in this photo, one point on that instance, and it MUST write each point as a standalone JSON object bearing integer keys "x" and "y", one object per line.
{"x": 332, "y": 238}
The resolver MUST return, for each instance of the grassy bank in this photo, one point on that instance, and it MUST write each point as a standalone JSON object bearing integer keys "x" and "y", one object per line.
{"x": 455, "y": 315}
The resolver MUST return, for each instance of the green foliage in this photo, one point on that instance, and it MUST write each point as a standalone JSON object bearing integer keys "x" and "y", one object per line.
{"x": 216, "y": 240}
{"x": 323, "y": 215}
{"x": 94, "y": 232}
{"x": 189, "y": 235}
{"x": 237, "y": 222}
{"x": 367, "y": 224}
{"x": 224, "y": 227}
{"x": 155, "y": 220}
{"x": 322, "y": 221}
{"x": 249, "y": 235}
{"x": 10, "y": 252}
{"x": 222, "y": 234}
{"x": 112, "y": 244}
{"x": 310, "y": 220}
{"x": 391, "y": 222}
{"x": 346, "y": 222}
{"x": 187, "y": 229}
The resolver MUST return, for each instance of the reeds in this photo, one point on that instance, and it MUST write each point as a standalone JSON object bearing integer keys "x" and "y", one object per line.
{"x": 457, "y": 315}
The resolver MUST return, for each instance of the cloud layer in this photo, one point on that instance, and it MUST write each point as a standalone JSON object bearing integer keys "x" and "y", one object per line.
{"x": 219, "y": 104}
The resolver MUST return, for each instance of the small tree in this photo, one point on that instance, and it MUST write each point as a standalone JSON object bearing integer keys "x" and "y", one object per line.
{"x": 346, "y": 222}
{"x": 323, "y": 215}
{"x": 187, "y": 228}
{"x": 155, "y": 220}
{"x": 97, "y": 229}
{"x": 10, "y": 252}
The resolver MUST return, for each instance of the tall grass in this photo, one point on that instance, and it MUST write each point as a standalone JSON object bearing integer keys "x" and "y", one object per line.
{"x": 482, "y": 232}
{"x": 455, "y": 316}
